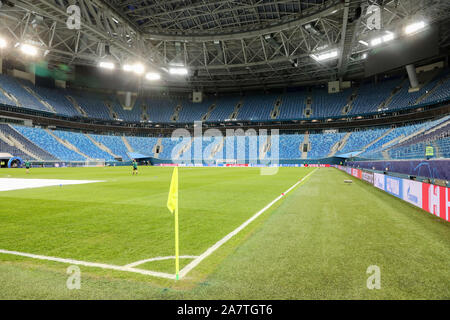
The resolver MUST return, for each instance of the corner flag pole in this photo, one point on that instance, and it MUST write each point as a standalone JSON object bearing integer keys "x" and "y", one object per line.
{"x": 177, "y": 253}
{"x": 172, "y": 205}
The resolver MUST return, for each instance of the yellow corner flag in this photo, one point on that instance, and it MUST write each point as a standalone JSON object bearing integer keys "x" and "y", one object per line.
{"x": 172, "y": 204}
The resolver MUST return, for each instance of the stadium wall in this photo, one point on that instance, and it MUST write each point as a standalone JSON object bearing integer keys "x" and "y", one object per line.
{"x": 431, "y": 198}
{"x": 433, "y": 169}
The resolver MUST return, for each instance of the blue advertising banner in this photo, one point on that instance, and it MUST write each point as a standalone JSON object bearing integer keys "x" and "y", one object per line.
{"x": 394, "y": 186}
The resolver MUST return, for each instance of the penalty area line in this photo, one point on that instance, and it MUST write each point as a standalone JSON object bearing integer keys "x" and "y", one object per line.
{"x": 218, "y": 244}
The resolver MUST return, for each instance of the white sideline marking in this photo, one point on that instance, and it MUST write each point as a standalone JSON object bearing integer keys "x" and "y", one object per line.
{"x": 8, "y": 184}
{"x": 216, "y": 246}
{"x": 92, "y": 264}
{"x": 130, "y": 267}
{"x": 134, "y": 264}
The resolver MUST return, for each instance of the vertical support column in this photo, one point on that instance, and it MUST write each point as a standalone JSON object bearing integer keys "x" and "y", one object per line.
{"x": 412, "y": 75}
{"x": 1, "y": 65}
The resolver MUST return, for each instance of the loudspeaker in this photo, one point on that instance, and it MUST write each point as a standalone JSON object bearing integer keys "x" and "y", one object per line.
{"x": 197, "y": 96}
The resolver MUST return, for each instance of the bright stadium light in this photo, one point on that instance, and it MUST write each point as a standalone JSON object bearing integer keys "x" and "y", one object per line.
{"x": 376, "y": 41}
{"x": 127, "y": 67}
{"x": 325, "y": 56}
{"x": 414, "y": 27}
{"x": 178, "y": 71}
{"x": 152, "y": 76}
{"x": 136, "y": 68}
{"x": 28, "y": 49}
{"x": 3, "y": 43}
{"x": 364, "y": 43}
{"x": 389, "y": 36}
{"x": 139, "y": 68}
{"x": 106, "y": 65}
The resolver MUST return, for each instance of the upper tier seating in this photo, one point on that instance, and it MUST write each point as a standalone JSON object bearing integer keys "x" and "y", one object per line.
{"x": 57, "y": 99}
{"x": 257, "y": 107}
{"x": 293, "y": 104}
{"x": 15, "y": 87}
{"x": 91, "y": 103}
{"x": 133, "y": 115}
{"x": 442, "y": 93}
{"x": 369, "y": 97}
{"x": 329, "y": 105}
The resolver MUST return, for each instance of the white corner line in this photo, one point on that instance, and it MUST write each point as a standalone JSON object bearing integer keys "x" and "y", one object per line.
{"x": 216, "y": 246}
{"x": 92, "y": 264}
{"x": 137, "y": 263}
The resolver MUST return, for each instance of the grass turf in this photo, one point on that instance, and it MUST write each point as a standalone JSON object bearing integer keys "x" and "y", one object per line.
{"x": 315, "y": 244}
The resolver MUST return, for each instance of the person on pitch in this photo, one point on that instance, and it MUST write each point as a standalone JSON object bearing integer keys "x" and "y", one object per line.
{"x": 27, "y": 166}
{"x": 135, "y": 167}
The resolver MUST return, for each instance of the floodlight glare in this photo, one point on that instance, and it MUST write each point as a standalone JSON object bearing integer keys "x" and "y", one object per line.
{"x": 106, "y": 65}
{"x": 325, "y": 56}
{"x": 28, "y": 49}
{"x": 388, "y": 37}
{"x": 127, "y": 67}
{"x": 153, "y": 76}
{"x": 364, "y": 43}
{"x": 136, "y": 68}
{"x": 376, "y": 41}
{"x": 178, "y": 71}
{"x": 414, "y": 27}
{"x": 3, "y": 43}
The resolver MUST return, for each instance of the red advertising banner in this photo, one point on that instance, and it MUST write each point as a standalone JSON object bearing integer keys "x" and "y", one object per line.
{"x": 357, "y": 173}
{"x": 435, "y": 200}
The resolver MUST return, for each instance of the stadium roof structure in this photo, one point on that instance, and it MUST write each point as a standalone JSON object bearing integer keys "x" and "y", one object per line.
{"x": 224, "y": 44}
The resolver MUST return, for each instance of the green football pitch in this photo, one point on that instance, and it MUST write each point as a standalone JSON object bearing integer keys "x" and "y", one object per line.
{"x": 316, "y": 242}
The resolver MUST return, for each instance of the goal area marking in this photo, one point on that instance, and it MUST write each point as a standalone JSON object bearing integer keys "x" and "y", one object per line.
{"x": 131, "y": 267}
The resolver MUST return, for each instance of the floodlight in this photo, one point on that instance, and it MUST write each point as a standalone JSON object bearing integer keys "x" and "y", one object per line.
{"x": 127, "y": 67}
{"x": 106, "y": 65}
{"x": 325, "y": 56}
{"x": 414, "y": 27}
{"x": 376, "y": 41}
{"x": 28, "y": 49}
{"x": 136, "y": 68}
{"x": 3, "y": 43}
{"x": 388, "y": 37}
{"x": 364, "y": 43}
{"x": 153, "y": 76}
{"x": 178, "y": 71}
